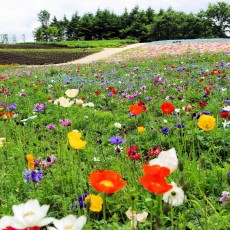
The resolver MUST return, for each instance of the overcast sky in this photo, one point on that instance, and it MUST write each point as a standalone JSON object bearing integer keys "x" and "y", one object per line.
{"x": 19, "y": 17}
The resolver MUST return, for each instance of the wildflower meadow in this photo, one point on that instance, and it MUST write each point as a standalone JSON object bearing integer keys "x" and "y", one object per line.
{"x": 140, "y": 140}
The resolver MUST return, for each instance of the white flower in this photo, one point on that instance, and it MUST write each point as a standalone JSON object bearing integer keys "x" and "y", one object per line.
{"x": 64, "y": 102}
{"x": 227, "y": 108}
{"x": 174, "y": 196}
{"x": 71, "y": 93}
{"x": 69, "y": 222}
{"x": 2, "y": 141}
{"x": 117, "y": 125}
{"x": 225, "y": 123}
{"x": 29, "y": 118}
{"x": 79, "y": 102}
{"x": 30, "y": 214}
{"x": 166, "y": 159}
{"x": 177, "y": 110}
{"x": 89, "y": 104}
{"x": 135, "y": 216}
{"x": 5, "y": 221}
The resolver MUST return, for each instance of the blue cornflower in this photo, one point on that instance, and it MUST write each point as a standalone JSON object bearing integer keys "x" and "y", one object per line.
{"x": 206, "y": 113}
{"x": 165, "y": 130}
{"x": 116, "y": 140}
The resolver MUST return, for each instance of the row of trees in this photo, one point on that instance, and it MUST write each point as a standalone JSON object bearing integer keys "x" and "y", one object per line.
{"x": 143, "y": 25}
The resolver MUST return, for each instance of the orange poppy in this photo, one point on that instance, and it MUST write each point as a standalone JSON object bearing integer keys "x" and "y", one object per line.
{"x": 154, "y": 179}
{"x": 135, "y": 109}
{"x": 106, "y": 181}
{"x": 167, "y": 108}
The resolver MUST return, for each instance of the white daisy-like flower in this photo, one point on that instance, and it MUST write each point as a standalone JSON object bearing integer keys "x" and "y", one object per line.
{"x": 64, "y": 102}
{"x": 30, "y": 214}
{"x": 89, "y": 104}
{"x": 174, "y": 196}
{"x": 225, "y": 123}
{"x": 117, "y": 125}
{"x": 69, "y": 222}
{"x": 227, "y": 108}
{"x": 166, "y": 159}
{"x": 135, "y": 217}
{"x": 79, "y": 102}
{"x": 71, "y": 93}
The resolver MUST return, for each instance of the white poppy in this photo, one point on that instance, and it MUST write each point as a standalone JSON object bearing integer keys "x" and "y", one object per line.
{"x": 166, "y": 159}
{"x": 136, "y": 217}
{"x": 69, "y": 222}
{"x": 71, "y": 93}
{"x": 30, "y": 214}
{"x": 174, "y": 196}
{"x": 64, "y": 102}
{"x": 225, "y": 123}
{"x": 227, "y": 108}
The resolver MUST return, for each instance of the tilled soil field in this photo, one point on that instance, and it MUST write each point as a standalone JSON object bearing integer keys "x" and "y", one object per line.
{"x": 40, "y": 57}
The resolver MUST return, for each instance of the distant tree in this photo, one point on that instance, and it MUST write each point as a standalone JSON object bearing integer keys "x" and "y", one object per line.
{"x": 219, "y": 14}
{"x": 72, "y": 28}
{"x": 23, "y": 37}
{"x": 44, "y": 17}
{"x": 86, "y": 30}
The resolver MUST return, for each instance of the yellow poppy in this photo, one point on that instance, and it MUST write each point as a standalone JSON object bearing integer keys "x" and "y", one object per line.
{"x": 95, "y": 202}
{"x": 75, "y": 140}
{"x": 141, "y": 129}
{"x": 206, "y": 122}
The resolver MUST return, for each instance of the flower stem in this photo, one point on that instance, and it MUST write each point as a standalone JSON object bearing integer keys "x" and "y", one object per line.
{"x": 104, "y": 212}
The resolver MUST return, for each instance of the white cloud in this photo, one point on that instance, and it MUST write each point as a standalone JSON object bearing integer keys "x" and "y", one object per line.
{"x": 20, "y": 17}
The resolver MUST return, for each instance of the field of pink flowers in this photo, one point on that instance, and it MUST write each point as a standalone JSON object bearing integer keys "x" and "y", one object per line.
{"x": 139, "y": 141}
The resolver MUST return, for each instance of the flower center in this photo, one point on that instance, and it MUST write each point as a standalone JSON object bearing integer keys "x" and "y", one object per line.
{"x": 28, "y": 214}
{"x": 68, "y": 227}
{"x": 173, "y": 193}
{"x": 106, "y": 183}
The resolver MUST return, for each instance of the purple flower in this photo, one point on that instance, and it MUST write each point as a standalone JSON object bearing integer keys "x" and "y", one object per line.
{"x": 227, "y": 101}
{"x": 11, "y": 107}
{"x": 65, "y": 122}
{"x": 39, "y": 108}
{"x": 206, "y": 113}
{"x": 225, "y": 197}
{"x": 80, "y": 201}
{"x": 148, "y": 98}
{"x": 165, "y": 130}
{"x": 180, "y": 125}
{"x": 162, "y": 91}
{"x": 116, "y": 140}
{"x": 33, "y": 175}
{"x": 51, "y": 126}
{"x": 109, "y": 94}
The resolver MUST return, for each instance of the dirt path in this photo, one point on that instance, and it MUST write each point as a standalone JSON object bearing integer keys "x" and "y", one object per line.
{"x": 107, "y": 52}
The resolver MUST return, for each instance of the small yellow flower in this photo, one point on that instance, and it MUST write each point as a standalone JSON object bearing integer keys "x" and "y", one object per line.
{"x": 30, "y": 160}
{"x": 95, "y": 202}
{"x": 75, "y": 140}
{"x": 206, "y": 122}
{"x": 141, "y": 129}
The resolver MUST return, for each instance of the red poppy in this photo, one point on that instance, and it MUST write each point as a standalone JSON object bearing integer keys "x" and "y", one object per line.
{"x": 167, "y": 108}
{"x": 202, "y": 103}
{"x": 135, "y": 109}
{"x": 225, "y": 114}
{"x": 106, "y": 181}
{"x": 114, "y": 92}
{"x": 154, "y": 151}
{"x": 154, "y": 179}
{"x": 131, "y": 149}
{"x": 6, "y": 115}
{"x": 140, "y": 103}
{"x": 97, "y": 92}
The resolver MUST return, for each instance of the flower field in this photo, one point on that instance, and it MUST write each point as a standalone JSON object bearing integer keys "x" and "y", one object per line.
{"x": 139, "y": 141}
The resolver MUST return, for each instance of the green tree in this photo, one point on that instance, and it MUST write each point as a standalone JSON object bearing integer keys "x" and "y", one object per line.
{"x": 219, "y": 14}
